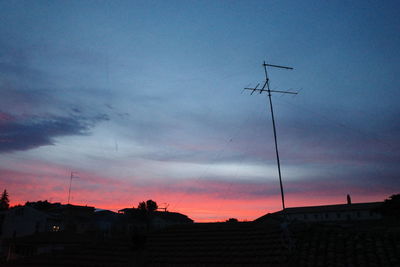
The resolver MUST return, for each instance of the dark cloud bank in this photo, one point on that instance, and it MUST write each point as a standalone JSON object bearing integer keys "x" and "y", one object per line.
{"x": 17, "y": 133}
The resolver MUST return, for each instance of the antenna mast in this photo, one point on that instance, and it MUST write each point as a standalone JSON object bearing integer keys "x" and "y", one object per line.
{"x": 70, "y": 184}
{"x": 266, "y": 88}
{"x": 166, "y": 205}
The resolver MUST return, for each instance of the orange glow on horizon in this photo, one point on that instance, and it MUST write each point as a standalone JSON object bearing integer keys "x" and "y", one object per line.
{"x": 214, "y": 205}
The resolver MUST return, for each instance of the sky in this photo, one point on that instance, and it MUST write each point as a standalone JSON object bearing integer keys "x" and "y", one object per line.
{"x": 144, "y": 100}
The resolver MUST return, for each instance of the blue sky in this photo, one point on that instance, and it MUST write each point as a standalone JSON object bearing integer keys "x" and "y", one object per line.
{"x": 143, "y": 99}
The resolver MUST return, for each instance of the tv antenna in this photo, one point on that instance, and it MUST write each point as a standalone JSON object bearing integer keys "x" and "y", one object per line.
{"x": 166, "y": 205}
{"x": 266, "y": 88}
{"x": 70, "y": 184}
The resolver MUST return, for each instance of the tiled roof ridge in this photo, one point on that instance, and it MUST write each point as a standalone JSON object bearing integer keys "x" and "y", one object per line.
{"x": 338, "y": 205}
{"x": 353, "y": 206}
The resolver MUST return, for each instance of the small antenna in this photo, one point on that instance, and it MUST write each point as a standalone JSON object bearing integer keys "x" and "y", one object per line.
{"x": 266, "y": 88}
{"x": 70, "y": 184}
{"x": 166, "y": 205}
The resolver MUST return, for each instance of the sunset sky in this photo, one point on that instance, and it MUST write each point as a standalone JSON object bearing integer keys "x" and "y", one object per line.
{"x": 143, "y": 100}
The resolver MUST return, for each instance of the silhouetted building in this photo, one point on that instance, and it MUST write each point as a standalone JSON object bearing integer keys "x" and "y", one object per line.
{"x": 140, "y": 219}
{"x": 332, "y": 213}
{"x": 38, "y": 217}
{"x": 43, "y": 227}
{"x": 267, "y": 243}
{"x": 77, "y": 219}
{"x": 27, "y": 220}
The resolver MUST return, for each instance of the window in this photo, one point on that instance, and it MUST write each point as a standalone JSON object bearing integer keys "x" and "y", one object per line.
{"x": 371, "y": 213}
{"x": 19, "y": 212}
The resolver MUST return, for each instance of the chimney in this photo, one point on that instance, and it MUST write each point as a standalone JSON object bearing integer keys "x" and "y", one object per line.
{"x": 348, "y": 199}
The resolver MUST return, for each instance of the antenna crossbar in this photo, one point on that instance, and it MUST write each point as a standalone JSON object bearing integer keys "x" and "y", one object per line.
{"x": 273, "y": 91}
{"x": 277, "y": 66}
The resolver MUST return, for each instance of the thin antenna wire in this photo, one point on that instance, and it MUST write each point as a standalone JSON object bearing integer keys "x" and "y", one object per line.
{"x": 70, "y": 184}
{"x": 266, "y": 88}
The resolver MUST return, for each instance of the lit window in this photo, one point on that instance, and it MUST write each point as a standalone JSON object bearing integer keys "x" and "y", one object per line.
{"x": 55, "y": 228}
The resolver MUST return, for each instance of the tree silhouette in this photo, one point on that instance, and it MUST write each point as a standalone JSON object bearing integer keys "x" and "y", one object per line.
{"x": 148, "y": 206}
{"x": 151, "y": 205}
{"x": 391, "y": 207}
{"x": 4, "y": 201}
{"x": 142, "y": 206}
